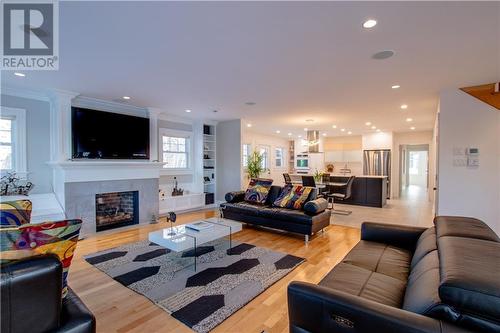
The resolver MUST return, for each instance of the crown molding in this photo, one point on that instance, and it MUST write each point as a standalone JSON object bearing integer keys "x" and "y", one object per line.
{"x": 29, "y": 93}
{"x": 110, "y": 106}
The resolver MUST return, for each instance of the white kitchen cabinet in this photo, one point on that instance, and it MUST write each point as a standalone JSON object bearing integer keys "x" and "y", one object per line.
{"x": 344, "y": 156}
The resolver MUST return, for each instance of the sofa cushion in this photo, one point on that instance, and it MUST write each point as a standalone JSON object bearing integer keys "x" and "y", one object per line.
{"x": 380, "y": 258}
{"x": 286, "y": 215}
{"x": 15, "y": 213}
{"x": 421, "y": 295}
{"x": 464, "y": 227}
{"x": 235, "y": 196}
{"x": 273, "y": 194}
{"x": 58, "y": 238}
{"x": 293, "y": 197}
{"x": 242, "y": 207}
{"x": 359, "y": 281}
{"x": 257, "y": 190}
{"x": 425, "y": 244}
{"x": 469, "y": 276}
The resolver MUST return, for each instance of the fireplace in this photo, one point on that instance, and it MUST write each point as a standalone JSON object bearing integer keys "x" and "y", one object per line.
{"x": 117, "y": 209}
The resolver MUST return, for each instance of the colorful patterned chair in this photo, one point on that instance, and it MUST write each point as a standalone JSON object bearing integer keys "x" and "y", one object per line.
{"x": 15, "y": 213}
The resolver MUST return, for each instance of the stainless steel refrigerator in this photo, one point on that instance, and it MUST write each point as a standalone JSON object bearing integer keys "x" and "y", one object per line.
{"x": 378, "y": 163}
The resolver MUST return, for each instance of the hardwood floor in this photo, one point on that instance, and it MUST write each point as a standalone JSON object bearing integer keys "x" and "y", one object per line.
{"x": 119, "y": 309}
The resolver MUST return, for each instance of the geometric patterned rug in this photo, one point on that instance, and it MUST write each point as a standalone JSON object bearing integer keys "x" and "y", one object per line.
{"x": 222, "y": 284}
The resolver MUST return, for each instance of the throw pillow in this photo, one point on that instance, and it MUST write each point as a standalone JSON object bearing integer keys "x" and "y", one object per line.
{"x": 293, "y": 197}
{"x": 15, "y": 213}
{"x": 257, "y": 190}
{"x": 29, "y": 240}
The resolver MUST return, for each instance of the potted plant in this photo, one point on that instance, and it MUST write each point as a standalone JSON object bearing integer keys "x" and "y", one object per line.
{"x": 254, "y": 167}
{"x": 318, "y": 176}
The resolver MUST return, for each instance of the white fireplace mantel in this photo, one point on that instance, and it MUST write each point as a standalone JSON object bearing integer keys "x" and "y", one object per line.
{"x": 86, "y": 171}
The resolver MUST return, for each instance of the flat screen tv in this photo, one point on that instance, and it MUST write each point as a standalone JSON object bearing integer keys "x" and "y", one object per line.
{"x": 107, "y": 135}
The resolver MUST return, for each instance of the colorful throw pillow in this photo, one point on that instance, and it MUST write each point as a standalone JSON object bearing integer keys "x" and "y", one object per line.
{"x": 15, "y": 213}
{"x": 293, "y": 197}
{"x": 257, "y": 190}
{"x": 29, "y": 240}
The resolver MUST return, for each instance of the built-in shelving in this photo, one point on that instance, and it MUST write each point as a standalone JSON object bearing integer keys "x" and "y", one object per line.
{"x": 209, "y": 163}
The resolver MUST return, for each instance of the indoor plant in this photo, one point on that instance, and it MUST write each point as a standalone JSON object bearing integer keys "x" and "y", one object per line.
{"x": 254, "y": 167}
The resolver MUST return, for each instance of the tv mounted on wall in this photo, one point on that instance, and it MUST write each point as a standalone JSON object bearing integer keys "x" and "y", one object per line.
{"x": 107, "y": 135}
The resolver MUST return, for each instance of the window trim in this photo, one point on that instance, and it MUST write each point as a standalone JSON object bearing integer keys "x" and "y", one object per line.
{"x": 245, "y": 167}
{"x": 18, "y": 138}
{"x": 282, "y": 157}
{"x": 268, "y": 160}
{"x": 189, "y": 143}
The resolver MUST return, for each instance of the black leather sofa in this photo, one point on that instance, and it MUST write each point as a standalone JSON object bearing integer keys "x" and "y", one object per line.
{"x": 30, "y": 292}
{"x": 313, "y": 218}
{"x": 403, "y": 279}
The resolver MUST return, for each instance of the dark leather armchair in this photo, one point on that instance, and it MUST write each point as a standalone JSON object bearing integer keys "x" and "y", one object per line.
{"x": 30, "y": 292}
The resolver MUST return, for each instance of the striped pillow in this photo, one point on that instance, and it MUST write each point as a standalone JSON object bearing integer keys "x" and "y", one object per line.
{"x": 293, "y": 197}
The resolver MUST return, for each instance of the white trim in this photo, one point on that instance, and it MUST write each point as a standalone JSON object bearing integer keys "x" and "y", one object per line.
{"x": 19, "y": 144}
{"x": 176, "y": 133}
{"x": 36, "y": 94}
{"x": 109, "y": 106}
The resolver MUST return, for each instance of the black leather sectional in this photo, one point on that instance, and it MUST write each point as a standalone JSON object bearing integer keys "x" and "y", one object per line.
{"x": 30, "y": 292}
{"x": 307, "y": 222}
{"x": 404, "y": 279}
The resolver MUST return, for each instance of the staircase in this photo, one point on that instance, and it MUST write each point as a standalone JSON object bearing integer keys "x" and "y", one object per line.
{"x": 488, "y": 93}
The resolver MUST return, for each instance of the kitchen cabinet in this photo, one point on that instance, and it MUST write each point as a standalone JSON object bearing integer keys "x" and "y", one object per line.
{"x": 344, "y": 156}
{"x": 368, "y": 191}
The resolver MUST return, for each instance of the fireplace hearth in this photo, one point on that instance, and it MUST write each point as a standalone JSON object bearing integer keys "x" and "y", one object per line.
{"x": 116, "y": 209}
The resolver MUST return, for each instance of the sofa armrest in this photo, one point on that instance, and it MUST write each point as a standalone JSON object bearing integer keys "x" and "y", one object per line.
{"x": 313, "y": 308}
{"x": 75, "y": 316}
{"x": 235, "y": 196}
{"x": 402, "y": 236}
{"x": 30, "y": 292}
{"x": 314, "y": 207}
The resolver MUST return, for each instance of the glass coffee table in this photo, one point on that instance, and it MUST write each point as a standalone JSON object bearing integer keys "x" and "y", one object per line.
{"x": 186, "y": 238}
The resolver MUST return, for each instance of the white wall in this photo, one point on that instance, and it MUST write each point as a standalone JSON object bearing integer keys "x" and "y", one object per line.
{"x": 256, "y": 140}
{"x": 379, "y": 140}
{"x": 37, "y": 140}
{"x": 464, "y": 122}
{"x": 228, "y": 157}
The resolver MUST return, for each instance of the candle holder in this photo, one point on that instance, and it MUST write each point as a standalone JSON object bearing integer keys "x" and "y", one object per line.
{"x": 171, "y": 217}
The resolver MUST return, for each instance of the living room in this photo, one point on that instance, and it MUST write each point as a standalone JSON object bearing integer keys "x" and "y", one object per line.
{"x": 250, "y": 166}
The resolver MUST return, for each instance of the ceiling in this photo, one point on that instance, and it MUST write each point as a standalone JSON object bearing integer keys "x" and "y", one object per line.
{"x": 294, "y": 60}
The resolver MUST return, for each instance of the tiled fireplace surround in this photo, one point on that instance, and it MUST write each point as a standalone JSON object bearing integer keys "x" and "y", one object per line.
{"x": 80, "y": 198}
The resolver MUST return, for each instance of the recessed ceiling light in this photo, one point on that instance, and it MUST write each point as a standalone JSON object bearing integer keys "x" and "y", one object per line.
{"x": 383, "y": 55}
{"x": 126, "y": 97}
{"x": 404, "y": 106}
{"x": 19, "y": 74}
{"x": 349, "y": 132}
{"x": 289, "y": 134}
{"x": 334, "y": 126}
{"x": 300, "y": 136}
{"x": 305, "y": 128}
{"x": 324, "y": 134}
{"x": 374, "y": 127}
{"x": 342, "y": 129}
{"x": 188, "y": 111}
{"x": 278, "y": 132}
{"x": 412, "y": 128}
{"x": 378, "y": 130}
{"x": 396, "y": 86}
{"x": 309, "y": 120}
{"x": 368, "y": 123}
{"x": 368, "y": 24}
{"x": 249, "y": 125}
{"x": 409, "y": 119}
{"x": 215, "y": 111}
{"x": 250, "y": 103}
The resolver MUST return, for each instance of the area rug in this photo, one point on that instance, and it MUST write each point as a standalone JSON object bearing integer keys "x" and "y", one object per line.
{"x": 223, "y": 282}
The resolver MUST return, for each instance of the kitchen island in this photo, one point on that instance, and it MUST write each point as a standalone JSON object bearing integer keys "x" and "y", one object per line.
{"x": 366, "y": 190}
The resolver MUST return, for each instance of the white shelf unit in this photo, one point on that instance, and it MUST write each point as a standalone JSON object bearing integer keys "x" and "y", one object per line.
{"x": 181, "y": 203}
{"x": 209, "y": 160}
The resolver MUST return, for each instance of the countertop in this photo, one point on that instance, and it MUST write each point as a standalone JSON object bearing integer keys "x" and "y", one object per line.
{"x": 340, "y": 175}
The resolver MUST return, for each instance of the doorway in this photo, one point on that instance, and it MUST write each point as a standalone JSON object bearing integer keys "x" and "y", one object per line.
{"x": 414, "y": 171}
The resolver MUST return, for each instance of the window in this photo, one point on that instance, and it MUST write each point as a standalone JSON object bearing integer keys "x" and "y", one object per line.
{"x": 414, "y": 162}
{"x": 13, "y": 140}
{"x": 246, "y": 151}
{"x": 264, "y": 152}
{"x": 175, "y": 149}
{"x": 279, "y": 159}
